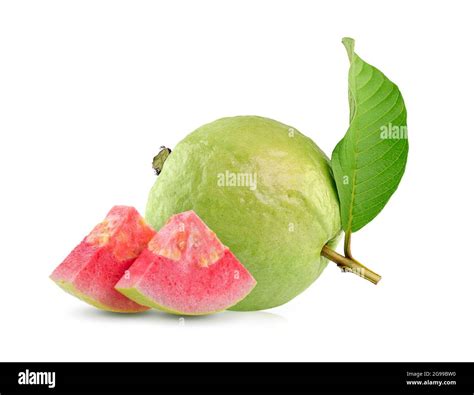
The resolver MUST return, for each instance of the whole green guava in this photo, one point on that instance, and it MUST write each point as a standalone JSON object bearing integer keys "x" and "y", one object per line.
{"x": 266, "y": 190}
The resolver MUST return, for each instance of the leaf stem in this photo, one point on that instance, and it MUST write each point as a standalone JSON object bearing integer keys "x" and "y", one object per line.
{"x": 347, "y": 244}
{"x": 350, "y": 265}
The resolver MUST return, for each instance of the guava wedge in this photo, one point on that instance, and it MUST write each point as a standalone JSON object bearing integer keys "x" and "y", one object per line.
{"x": 92, "y": 269}
{"x": 186, "y": 270}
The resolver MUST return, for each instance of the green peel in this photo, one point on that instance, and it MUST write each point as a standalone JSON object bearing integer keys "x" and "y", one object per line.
{"x": 72, "y": 290}
{"x": 135, "y": 295}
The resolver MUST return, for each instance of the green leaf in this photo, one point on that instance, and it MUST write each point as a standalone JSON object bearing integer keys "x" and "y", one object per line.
{"x": 368, "y": 163}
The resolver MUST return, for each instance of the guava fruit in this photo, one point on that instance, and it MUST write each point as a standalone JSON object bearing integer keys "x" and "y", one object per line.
{"x": 266, "y": 190}
{"x": 186, "y": 270}
{"x": 92, "y": 269}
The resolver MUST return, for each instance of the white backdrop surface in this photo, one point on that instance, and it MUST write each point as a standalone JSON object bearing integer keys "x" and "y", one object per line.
{"x": 90, "y": 89}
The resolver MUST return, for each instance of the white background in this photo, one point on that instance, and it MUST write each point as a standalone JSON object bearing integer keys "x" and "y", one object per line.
{"x": 89, "y": 90}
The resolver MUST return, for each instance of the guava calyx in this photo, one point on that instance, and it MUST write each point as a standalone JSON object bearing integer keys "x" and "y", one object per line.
{"x": 160, "y": 158}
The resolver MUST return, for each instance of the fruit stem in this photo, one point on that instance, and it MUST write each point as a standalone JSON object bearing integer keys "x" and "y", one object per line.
{"x": 350, "y": 265}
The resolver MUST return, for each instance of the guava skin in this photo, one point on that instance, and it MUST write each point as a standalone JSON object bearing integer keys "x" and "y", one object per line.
{"x": 277, "y": 230}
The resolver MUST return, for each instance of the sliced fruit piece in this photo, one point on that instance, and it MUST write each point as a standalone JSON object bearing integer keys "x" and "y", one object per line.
{"x": 92, "y": 269}
{"x": 186, "y": 270}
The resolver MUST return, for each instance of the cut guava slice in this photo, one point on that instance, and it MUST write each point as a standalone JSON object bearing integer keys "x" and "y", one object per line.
{"x": 186, "y": 270}
{"x": 92, "y": 269}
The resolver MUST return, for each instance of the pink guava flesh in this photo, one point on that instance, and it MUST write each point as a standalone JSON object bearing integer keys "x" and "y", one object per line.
{"x": 92, "y": 269}
{"x": 186, "y": 270}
